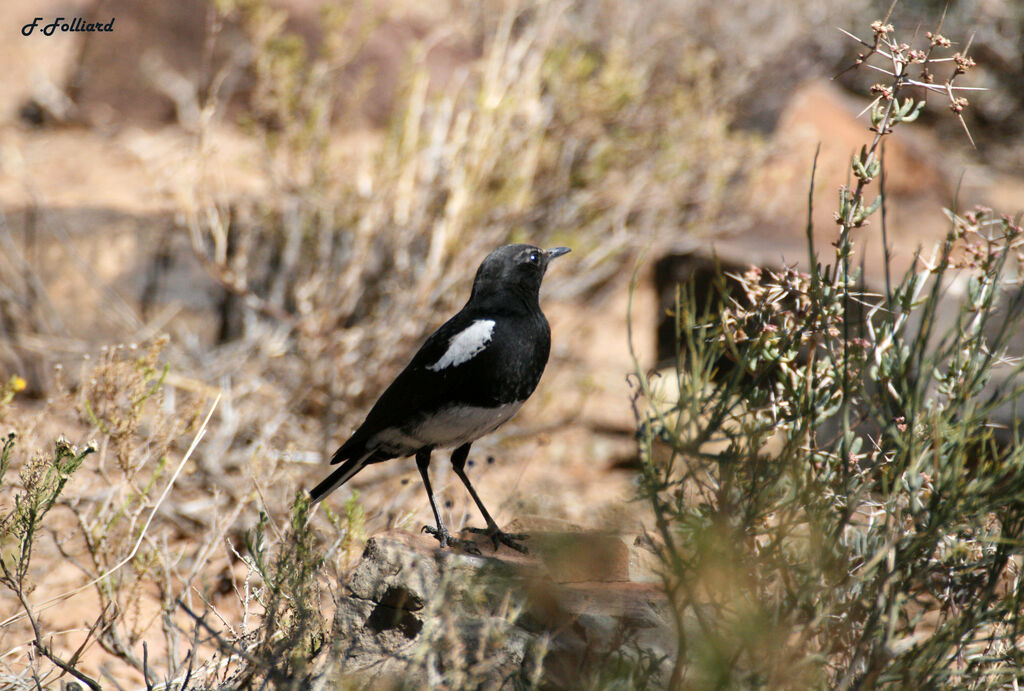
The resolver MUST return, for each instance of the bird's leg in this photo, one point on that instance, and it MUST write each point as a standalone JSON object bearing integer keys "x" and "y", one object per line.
{"x": 459, "y": 457}
{"x": 440, "y": 532}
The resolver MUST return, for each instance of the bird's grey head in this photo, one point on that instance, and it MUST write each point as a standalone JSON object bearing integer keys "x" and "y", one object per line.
{"x": 517, "y": 268}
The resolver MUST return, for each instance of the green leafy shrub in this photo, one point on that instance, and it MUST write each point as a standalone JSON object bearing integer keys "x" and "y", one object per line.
{"x": 839, "y": 507}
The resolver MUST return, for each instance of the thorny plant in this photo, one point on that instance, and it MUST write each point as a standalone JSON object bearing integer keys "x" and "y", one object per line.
{"x": 836, "y": 474}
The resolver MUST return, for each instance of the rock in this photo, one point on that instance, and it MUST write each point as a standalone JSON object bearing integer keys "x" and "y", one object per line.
{"x": 917, "y": 185}
{"x": 498, "y": 619}
{"x": 399, "y": 565}
{"x": 644, "y": 565}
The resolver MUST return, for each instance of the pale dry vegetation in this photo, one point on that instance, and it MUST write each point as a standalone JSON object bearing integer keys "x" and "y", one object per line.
{"x": 593, "y": 127}
{"x": 162, "y": 544}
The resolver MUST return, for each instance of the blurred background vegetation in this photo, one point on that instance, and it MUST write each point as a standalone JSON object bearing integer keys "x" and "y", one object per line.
{"x": 269, "y": 204}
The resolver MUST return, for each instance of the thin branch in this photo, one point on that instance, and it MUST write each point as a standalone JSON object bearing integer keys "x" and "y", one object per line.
{"x": 64, "y": 596}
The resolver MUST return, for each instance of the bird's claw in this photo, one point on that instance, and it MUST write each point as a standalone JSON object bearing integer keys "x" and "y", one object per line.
{"x": 446, "y": 540}
{"x": 500, "y": 538}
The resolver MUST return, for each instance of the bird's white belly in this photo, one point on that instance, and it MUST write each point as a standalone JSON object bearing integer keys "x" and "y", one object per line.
{"x": 460, "y": 424}
{"x": 448, "y": 427}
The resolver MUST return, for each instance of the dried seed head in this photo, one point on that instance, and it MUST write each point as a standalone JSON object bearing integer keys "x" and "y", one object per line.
{"x": 963, "y": 63}
{"x": 881, "y": 29}
{"x": 883, "y": 90}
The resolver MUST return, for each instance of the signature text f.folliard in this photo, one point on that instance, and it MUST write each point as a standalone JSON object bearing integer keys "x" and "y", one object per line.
{"x": 62, "y": 24}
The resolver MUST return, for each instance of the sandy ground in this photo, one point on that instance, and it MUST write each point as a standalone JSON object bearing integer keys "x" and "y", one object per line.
{"x": 84, "y": 205}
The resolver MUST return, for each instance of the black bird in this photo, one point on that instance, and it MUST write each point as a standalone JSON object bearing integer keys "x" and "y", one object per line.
{"x": 469, "y": 378}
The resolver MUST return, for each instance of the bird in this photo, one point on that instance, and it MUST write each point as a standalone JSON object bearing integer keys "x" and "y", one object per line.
{"x": 468, "y": 378}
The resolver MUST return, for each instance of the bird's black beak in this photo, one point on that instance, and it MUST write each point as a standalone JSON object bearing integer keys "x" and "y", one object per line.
{"x": 556, "y": 252}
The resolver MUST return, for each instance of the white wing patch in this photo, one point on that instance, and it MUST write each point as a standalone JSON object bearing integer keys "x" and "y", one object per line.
{"x": 465, "y": 345}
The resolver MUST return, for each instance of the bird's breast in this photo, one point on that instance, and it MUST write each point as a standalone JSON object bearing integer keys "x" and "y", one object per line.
{"x": 514, "y": 361}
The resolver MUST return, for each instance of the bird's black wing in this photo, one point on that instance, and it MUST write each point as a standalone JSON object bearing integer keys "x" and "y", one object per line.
{"x": 415, "y": 391}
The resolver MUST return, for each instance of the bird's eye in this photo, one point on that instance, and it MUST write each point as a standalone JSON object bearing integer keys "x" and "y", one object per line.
{"x": 533, "y": 258}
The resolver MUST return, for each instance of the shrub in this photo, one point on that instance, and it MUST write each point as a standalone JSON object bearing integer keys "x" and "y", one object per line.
{"x": 836, "y": 507}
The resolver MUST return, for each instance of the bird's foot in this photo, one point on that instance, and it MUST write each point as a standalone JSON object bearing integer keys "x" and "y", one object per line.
{"x": 500, "y": 538}
{"x": 446, "y": 540}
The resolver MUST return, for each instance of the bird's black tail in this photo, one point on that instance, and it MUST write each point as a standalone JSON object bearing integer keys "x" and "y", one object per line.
{"x": 338, "y": 478}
